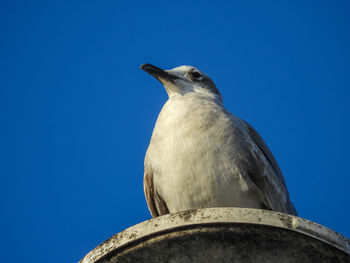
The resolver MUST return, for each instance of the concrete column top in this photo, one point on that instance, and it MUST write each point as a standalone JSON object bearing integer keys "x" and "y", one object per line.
{"x": 235, "y": 231}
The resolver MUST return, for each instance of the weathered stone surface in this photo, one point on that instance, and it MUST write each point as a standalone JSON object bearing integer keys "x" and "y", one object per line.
{"x": 224, "y": 235}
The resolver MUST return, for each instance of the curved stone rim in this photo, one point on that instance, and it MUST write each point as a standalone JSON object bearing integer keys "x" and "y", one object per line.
{"x": 209, "y": 216}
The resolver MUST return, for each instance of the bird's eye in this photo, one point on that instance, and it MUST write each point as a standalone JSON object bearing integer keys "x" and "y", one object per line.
{"x": 196, "y": 75}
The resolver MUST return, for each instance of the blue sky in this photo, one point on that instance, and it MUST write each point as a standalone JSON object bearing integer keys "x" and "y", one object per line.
{"x": 77, "y": 113}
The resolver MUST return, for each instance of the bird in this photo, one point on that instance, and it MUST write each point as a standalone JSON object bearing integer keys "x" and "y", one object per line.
{"x": 201, "y": 156}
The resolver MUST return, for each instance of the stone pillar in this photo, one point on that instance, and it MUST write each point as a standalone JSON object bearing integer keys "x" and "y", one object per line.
{"x": 224, "y": 235}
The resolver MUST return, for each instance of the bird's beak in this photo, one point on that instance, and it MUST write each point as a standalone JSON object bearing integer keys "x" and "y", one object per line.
{"x": 158, "y": 73}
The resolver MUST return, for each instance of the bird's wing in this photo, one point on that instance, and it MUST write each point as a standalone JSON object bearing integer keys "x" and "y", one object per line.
{"x": 272, "y": 184}
{"x": 155, "y": 203}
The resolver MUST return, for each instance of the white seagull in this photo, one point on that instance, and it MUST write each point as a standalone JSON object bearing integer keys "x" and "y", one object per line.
{"x": 201, "y": 155}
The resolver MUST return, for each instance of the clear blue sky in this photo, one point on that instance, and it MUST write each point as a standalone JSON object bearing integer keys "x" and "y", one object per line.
{"x": 77, "y": 113}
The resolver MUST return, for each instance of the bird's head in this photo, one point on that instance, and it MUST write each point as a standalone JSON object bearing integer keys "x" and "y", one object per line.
{"x": 184, "y": 79}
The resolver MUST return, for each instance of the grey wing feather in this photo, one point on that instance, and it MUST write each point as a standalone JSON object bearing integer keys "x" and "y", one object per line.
{"x": 277, "y": 198}
{"x": 149, "y": 193}
{"x": 155, "y": 203}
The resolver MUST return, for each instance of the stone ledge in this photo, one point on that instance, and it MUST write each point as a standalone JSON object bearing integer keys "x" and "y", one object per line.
{"x": 224, "y": 235}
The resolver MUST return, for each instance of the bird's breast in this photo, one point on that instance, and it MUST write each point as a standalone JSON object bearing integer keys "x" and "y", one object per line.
{"x": 192, "y": 155}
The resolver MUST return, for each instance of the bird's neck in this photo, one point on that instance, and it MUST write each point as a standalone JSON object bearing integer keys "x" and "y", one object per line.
{"x": 188, "y": 111}
{"x": 200, "y": 97}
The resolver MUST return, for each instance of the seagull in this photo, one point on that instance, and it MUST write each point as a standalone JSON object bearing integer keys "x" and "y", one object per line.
{"x": 200, "y": 155}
